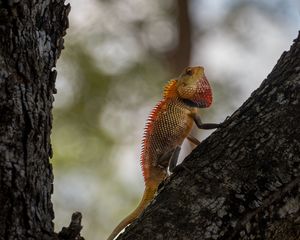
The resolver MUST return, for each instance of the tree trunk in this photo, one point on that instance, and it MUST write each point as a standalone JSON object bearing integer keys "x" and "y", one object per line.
{"x": 31, "y": 39}
{"x": 243, "y": 182}
{"x": 180, "y": 56}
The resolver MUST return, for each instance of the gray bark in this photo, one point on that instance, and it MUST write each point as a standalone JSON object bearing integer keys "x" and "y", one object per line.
{"x": 31, "y": 39}
{"x": 243, "y": 181}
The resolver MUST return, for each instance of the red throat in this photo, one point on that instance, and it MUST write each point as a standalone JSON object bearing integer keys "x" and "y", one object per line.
{"x": 203, "y": 96}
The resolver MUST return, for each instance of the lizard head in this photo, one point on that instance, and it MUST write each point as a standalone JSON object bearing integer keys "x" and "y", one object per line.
{"x": 193, "y": 87}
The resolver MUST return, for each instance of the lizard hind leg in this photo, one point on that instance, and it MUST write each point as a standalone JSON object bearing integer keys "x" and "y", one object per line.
{"x": 174, "y": 158}
{"x": 169, "y": 159}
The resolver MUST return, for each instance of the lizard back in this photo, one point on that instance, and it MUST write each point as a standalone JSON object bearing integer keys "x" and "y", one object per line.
{"x": 168, "y": 125}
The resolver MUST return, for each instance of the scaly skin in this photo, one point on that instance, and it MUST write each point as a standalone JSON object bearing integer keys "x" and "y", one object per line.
{"x": 169, "y": 123}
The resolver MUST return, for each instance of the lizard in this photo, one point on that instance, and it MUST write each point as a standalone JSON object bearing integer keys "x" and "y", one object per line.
{"x": 169, "y": 123}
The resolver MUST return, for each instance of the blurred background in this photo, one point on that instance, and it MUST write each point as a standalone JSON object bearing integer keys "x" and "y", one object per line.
{"x": 118, "y": 56}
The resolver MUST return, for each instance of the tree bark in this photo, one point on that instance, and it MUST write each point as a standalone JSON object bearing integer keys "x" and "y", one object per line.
{"x": 31, "y": 39}
{"x": 243, "y": 181}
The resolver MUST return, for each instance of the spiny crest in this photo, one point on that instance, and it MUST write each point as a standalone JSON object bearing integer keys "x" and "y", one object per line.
{"x": 146, "y": 137}
{"x": 170, "y": 89}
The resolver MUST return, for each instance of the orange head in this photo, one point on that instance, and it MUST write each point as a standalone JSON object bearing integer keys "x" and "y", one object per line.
{"x": 192, "y": 87}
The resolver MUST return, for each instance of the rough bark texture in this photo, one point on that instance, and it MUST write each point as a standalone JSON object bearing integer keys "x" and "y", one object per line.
{"x": 243, "y": 182}
{"x": 31, "y": 39}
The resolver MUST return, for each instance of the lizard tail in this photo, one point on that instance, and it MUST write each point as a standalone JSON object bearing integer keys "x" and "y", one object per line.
{"x": 148, "y": 195}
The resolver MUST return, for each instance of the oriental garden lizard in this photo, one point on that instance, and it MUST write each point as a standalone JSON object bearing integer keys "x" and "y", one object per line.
{"x": 169, "y": 123}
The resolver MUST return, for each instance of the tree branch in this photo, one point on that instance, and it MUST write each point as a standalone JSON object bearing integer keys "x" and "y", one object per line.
{"x": 73, "y": 231}
{"x": 180, "y": 56}
{"x": 243, "y": 181}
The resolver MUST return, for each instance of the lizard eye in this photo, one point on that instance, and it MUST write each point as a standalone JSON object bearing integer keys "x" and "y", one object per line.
{"x": 189, "y": 71}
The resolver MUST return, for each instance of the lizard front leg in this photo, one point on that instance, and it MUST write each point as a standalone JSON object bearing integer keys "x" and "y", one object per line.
{"x": 202, "y": 125}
